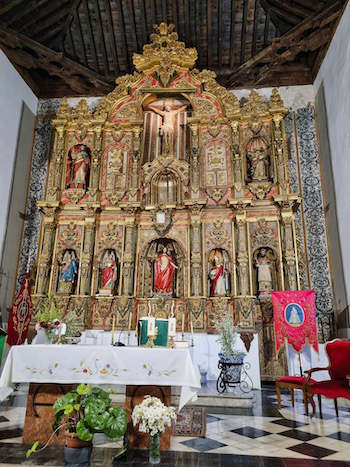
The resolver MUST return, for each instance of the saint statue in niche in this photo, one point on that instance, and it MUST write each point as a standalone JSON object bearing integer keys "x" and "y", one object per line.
{"x": 78, "y": 167}
{"x": 264, "y": 262}
{"x": 68, "y": 272}
{"x": 164, "y": 269}
{"x": 167, "y": 127}
{"x": 108, "y": 273}
{"x": 258, "y": 158}
{"x": 218, "y": 275}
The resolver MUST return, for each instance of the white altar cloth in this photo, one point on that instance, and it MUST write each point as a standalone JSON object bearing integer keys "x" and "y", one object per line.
{"x": 99, "y": 364}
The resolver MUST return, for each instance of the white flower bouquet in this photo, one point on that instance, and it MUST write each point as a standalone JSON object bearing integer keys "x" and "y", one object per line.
{"x": 152, "y": 415}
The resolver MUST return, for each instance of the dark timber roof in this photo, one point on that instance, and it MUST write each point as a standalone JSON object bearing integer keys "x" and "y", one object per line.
{"x": 79, "y": 47}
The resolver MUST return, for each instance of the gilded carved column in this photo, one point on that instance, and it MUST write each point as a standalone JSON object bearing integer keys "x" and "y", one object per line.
{"x": 129, "y": 254}
{"x": 95, "y": 162}
{"x": 56, "y": 167}
{"x": 196, "y": 252}
{"x": 45, "y": 255}
{"x": 136, "y": 157}
{"x": 86, "y": 257}
{"x": 289, "y": 251}
{"x": 195, "y": 169}
{"x": 238, "y": 178}
{"x": 278, "y": 112}
{"x": 242, "y": 255}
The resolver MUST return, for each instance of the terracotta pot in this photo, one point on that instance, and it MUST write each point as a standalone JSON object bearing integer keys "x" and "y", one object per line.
{"x": 75, "y": 442}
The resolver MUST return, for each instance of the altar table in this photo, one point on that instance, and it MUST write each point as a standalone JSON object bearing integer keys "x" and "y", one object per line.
{"x": 73, "y": 364}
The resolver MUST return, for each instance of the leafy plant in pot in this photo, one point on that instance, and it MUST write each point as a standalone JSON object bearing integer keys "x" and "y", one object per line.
{"x": 230, "y": 359}
{"x": 82, "y": 413}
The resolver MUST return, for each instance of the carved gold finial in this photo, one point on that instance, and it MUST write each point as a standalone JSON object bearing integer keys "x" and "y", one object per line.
{"x": 64, "y": 110}
{"x": 276, "y": 103}
{"x": 254, "y": 105}
{"x": 165, "y": 55}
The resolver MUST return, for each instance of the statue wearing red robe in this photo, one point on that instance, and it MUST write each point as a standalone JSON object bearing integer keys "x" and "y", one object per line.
{"x": 78, "y": 167}
{"x": 109, "y": 272}
{"x": 164, "y": 268}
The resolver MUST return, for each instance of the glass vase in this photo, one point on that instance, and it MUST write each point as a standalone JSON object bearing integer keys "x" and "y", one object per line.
{"x": 154, "y": 449}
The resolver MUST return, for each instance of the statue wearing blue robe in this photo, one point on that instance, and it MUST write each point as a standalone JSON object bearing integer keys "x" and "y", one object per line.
{"x": 70, "y": 271}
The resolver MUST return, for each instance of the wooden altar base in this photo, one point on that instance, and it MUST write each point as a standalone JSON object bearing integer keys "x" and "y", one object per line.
{"x": 39, "y": 413}
{"x": 135, "y": 395}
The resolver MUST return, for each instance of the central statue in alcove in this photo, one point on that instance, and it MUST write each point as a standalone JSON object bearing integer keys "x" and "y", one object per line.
{"x": 170, "y": 127}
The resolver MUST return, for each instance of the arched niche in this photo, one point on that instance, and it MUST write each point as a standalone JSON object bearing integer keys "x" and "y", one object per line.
{"x": 165, "y": 188}
{"x": 266, "y": 275}
{"x": 162, "y": 269}
{"x": 166, "y": 132}
{"x": 108, "y": 272}
{"x": 219, "y": 273}
{"x": 67, "y": 277}
{"x": 78, "y": 167}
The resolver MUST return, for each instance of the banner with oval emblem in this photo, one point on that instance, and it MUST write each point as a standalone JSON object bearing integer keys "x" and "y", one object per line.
{"x": 294, "y": 316}
{"x": 20, "y": 315}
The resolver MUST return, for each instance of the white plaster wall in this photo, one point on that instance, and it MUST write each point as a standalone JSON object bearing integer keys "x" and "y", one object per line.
{"x": 294, "y": 97}
{"x": 13, "y": 92}
{"x": 334, "y": 77}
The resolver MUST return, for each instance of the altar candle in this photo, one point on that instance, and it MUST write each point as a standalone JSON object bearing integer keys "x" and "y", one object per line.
{"x": 113, "y": 324}
{"x": 129, "y": 325}
{"x": 192, "y": 329}
{"x": 149, "y": 309}
{"x": 151, "y": 326}
{"x": 183, "y": 323}
{"x": 172, "y": 327}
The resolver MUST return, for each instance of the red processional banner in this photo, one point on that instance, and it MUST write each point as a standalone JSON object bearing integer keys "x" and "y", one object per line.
{"x": 20, "y": 315}
{"x": 294, "y": 316}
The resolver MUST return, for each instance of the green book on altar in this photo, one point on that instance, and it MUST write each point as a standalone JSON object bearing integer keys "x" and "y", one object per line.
{"x": 162, "y": 336}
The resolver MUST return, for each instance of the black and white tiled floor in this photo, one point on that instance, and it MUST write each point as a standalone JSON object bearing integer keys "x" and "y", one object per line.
{"x": 261, "y": 436}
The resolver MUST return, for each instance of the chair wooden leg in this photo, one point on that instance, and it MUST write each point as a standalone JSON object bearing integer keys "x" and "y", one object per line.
{"x": 320, "y": 404}
{"x": 292, "y": 393}
{"x": 336, "y": 407}
{"x": 278, "y": 393}
{"x": 306, "y": 402}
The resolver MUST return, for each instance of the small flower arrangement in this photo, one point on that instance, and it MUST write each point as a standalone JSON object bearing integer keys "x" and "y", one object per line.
{"x": 152, "y": 416}
{"x": 228, "y": 333}
{"x": 50, "y": 316}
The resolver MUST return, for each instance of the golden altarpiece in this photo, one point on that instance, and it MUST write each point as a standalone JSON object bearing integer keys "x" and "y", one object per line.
{"x": 171, "y": 197}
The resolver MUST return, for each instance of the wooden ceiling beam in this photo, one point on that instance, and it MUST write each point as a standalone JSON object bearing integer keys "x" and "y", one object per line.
{"x": 29, "y": 54}
{"x": 46, "y": 17}
{"x": 285, "y": 16}
{"x": 39, "y": 30}
{"x": 70, "y": 17}
{"x": 9, "y": 5}
{"x": 255, "y": 27}
{"x": 232, "y": 33}
{"x": 209, "y": 36}
{"x": 292, "y": 7}
{"x": 110, "y": 34}
{"x": 243, "y": 32}
{"x": 286, "y": 41}
{"x": 101, "y": 37}
{"x": 85, "y": 10}
{"x": 12, "y": 18}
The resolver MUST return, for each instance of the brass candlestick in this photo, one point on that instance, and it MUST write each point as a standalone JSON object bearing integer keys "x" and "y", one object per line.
{"x": 170, "y": 343}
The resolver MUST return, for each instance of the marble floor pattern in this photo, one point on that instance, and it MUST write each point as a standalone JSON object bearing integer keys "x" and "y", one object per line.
{"x": 261, "y": 436}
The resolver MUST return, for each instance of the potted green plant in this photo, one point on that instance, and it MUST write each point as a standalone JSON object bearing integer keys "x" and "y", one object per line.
{"x": 230, "y": 359}
{"x": 82, "y": 413}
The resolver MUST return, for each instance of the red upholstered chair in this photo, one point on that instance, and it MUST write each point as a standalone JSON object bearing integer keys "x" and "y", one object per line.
{"x": 291, "y": 383}
{"x": 338, "y": 352}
